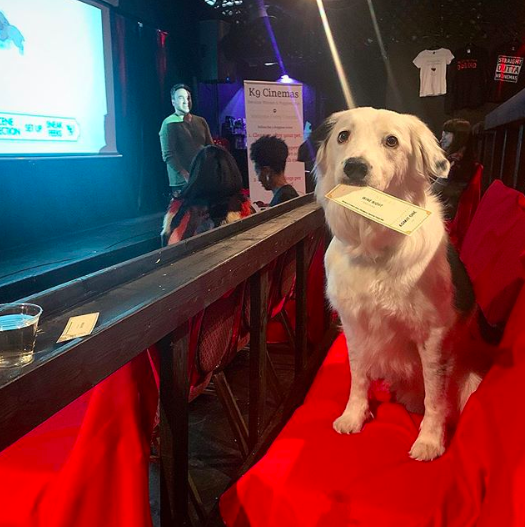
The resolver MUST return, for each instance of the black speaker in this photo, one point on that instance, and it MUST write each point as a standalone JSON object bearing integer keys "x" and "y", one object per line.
{"x": 214, "y": 66}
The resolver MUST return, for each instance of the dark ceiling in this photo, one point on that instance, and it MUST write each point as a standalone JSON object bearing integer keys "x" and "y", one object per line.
{"x": 296, "y": 23}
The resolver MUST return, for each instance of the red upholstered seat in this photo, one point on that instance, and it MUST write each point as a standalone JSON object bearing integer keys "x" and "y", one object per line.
{"x": 468, "y": 203}
{"x": 213, "y": 339}
{"x": 216, "y": 342}
{"x": 491, "y": 251}
{"x": 222, "y": 141}
{"x": 283, "y": 289}
{"x": 313, "y": 477}
{"x": 88, "y": 464}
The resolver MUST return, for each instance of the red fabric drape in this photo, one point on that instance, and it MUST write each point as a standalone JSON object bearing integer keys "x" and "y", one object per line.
{"x": 120, "y": 59}
{"x": 468, "y": 203}
{"x": 491, "y": 251}
{"x": 162, "y": 61}
{"x": 88, "y": 464}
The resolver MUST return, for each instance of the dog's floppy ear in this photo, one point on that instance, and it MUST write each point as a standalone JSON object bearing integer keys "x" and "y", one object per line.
{"x": 430, "y": 158}
{"x": 318, "y": 139}
{"x": 308, "y": 150}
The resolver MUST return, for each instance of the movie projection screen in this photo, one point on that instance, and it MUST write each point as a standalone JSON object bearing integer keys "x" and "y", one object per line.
{"x": 56, "y": 79}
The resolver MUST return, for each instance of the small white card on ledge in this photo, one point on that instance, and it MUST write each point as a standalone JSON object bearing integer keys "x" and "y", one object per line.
{"x": 382, "y": 208}
{"x": 79, "y": 327}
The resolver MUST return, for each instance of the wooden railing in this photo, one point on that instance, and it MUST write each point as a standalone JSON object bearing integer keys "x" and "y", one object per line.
{"x": 501, "y": 151}
{"x": 149, "y": 300}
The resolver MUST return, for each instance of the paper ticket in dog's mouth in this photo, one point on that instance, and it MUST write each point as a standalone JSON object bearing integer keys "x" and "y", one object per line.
{"x": 382, "y": 208}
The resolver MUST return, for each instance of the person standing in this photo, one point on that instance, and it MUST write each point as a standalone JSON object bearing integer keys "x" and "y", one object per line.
{"x": 269, "y": 155}
{"x": 182, "y": 136}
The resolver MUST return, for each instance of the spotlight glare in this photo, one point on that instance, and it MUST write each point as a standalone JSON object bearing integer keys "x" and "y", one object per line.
{"x": 390, "y": 73}
{"x": 335, "y": 56}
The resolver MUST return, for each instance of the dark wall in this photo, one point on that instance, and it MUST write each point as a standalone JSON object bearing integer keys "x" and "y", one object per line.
{"x": 358, "y": 45}
{"x": 404, "y": 28}
{"x": 154, "y": 46}
{"x": 403, "y": 89}
{"x": 410, "y": 27}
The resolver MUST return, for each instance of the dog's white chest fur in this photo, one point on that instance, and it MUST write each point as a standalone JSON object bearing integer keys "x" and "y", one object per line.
{"x": 406, "y": 290}
{"x": 384, "y": 313}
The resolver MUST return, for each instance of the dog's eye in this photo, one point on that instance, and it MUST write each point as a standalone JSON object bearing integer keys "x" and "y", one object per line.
{"x": 391, "y": 141}
{"x": 343, "y": 136}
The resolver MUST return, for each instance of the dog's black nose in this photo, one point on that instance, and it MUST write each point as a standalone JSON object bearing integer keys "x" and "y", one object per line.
{"x": 356, "y": 169}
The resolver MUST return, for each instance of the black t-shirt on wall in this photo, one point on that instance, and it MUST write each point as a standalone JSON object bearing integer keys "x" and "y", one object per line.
{"x": 506, "y": 73}
{"x": 284, "y": 193}
{"x": 468, "y": 78}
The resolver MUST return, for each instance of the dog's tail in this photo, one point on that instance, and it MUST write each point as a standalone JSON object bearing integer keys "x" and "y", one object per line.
{"x": 470, "y": 385}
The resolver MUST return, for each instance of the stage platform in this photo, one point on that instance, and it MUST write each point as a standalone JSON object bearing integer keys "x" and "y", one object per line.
{"x": 28, "y": 269}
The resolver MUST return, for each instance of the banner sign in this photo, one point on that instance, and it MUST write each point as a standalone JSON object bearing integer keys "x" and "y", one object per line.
{"x": 274, "y": 108}
{"x": 38, "y": 127}
{"x": 508, "y": 68}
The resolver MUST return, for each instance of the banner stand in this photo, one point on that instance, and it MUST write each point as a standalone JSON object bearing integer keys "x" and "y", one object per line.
{"x": 274, "y": 108}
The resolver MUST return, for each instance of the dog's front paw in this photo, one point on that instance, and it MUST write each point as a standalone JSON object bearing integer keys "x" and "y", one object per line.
{"x": 427, "y": 449}
{"x": 351, "y": 422}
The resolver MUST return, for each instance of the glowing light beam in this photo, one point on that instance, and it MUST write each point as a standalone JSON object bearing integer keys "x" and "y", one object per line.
{"x": 285, "y": 78}
{"x": 335, "y": 56}
{"x": 271, "y": 35}
{"x": 390, "y": 73}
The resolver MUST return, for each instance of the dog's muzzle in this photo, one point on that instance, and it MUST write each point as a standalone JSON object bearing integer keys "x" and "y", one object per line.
{"x": 356, "y": 169}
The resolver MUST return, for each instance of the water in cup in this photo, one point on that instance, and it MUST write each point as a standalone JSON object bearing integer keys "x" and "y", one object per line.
{"x": 18, "y": 325}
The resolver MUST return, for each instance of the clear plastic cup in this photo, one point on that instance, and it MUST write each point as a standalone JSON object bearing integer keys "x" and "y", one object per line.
{"x": 18, "y": 325}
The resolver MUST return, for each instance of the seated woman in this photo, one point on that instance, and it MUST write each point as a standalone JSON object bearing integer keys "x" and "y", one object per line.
{"x": 212, "y": 197}
{"x": 457, "y": 142}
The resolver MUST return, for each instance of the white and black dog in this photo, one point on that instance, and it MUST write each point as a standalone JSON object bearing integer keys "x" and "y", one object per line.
{"x": 395, "y": 294}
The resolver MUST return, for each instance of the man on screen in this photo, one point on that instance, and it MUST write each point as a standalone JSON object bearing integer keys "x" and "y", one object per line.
{"x": 269, "y": 155}
{"x": 182, "y": 135}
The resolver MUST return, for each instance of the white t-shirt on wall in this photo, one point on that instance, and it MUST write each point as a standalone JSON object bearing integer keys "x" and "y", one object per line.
{"x": 432, "y": 66}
